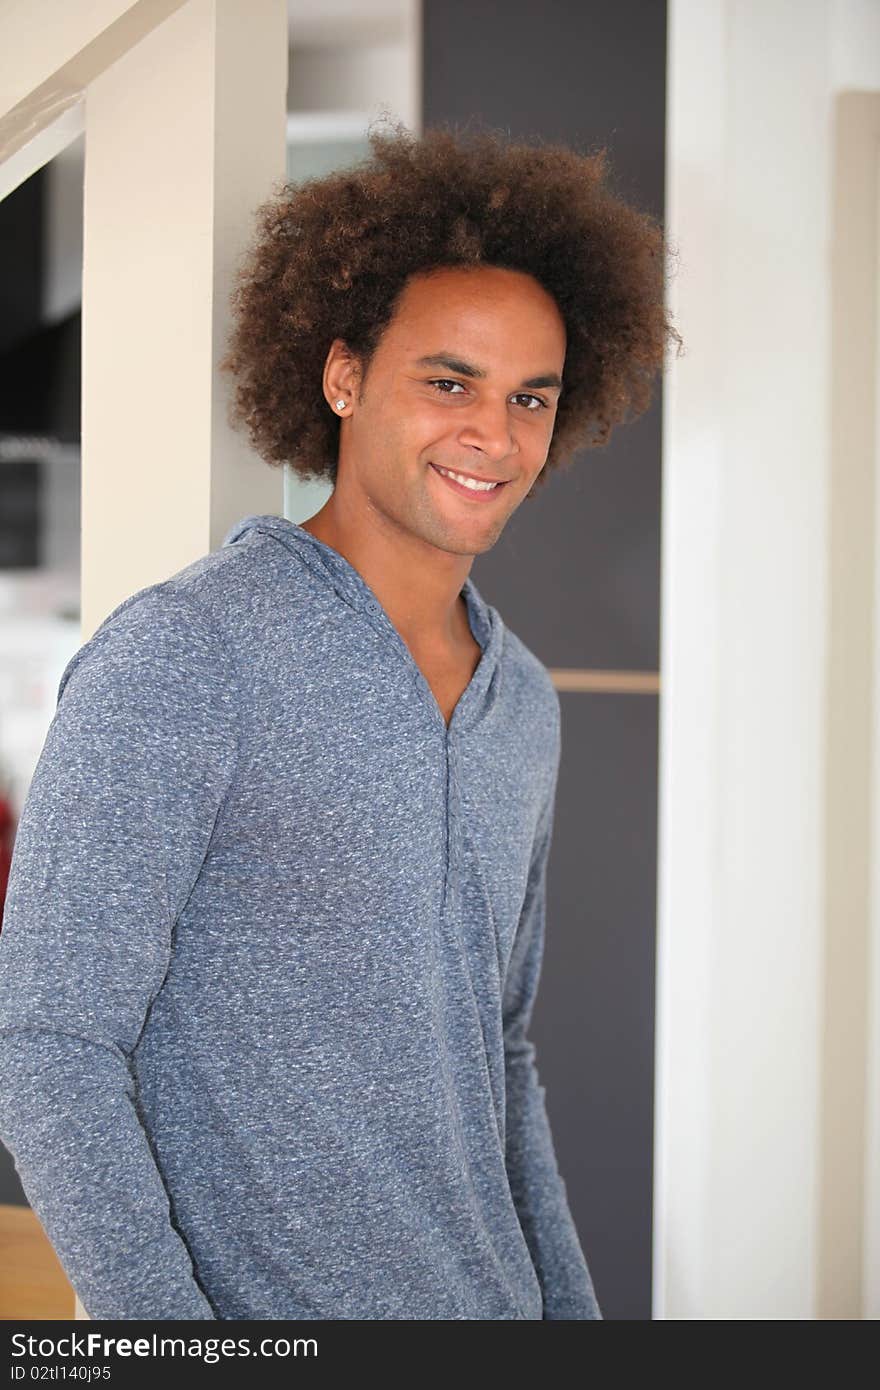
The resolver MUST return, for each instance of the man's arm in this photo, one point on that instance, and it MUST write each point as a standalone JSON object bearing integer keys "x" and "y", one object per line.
{"x": 115, "y": 826}
{"x": 538, "y": 1189}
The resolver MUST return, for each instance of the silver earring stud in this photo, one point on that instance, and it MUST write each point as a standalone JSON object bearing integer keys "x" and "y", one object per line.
{"x": 340, "y": 405}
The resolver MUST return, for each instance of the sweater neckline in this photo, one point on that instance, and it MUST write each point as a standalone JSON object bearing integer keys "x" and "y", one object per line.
{"x": 485, "y": 622}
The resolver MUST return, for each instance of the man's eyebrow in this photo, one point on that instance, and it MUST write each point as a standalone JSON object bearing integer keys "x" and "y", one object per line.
{"x": 462, "y": 368}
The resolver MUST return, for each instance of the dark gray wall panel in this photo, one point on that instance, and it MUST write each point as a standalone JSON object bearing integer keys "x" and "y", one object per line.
{"x": 578, "y": 565}
{"x": 594, "y": 1021}
{"x": 586, "y": 72}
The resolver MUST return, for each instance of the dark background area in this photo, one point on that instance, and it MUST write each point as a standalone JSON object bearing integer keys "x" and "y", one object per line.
{"x": 40, "y": 374}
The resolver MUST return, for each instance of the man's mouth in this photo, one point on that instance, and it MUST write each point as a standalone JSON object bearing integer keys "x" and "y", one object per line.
{"x": 478, "y": 488}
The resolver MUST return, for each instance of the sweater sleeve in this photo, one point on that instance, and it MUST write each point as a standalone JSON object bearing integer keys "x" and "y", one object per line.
{"x": 116, "y": 823}
{"x": 537, "y": 1186}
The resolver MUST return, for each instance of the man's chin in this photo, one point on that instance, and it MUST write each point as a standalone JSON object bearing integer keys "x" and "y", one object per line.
{"x": 476, "y": 543}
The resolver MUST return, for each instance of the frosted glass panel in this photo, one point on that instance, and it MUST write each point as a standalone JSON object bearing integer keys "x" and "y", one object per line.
{"x": 312, "y": 158}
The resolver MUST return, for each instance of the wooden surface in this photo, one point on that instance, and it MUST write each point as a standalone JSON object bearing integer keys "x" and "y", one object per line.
{"x": 32, "y": 1282}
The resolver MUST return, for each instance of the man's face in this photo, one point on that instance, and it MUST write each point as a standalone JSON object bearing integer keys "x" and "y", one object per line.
{"x": 465, "y": 377}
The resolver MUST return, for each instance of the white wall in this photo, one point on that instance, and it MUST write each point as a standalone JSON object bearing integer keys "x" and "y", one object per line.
{"x": 751, "y": 844}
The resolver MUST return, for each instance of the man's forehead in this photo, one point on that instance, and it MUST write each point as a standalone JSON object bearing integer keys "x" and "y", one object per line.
{"x": 460, "y": 325}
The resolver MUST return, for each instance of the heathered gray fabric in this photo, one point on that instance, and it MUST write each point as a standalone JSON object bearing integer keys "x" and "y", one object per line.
{"x": 271, "y": 944}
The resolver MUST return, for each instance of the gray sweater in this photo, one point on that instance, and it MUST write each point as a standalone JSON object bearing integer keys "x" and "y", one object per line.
{"x": 271, "y": 944}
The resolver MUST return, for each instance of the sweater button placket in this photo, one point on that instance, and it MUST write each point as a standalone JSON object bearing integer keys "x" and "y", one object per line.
{"x": 447, "y": 826}
{"x": 451, "y": 810}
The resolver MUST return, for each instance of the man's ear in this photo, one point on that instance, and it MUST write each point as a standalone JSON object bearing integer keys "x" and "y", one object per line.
{"x": 342, "y": 374}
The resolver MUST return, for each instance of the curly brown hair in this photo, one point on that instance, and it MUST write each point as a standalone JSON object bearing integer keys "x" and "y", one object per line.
{"x": 333, "y": 254}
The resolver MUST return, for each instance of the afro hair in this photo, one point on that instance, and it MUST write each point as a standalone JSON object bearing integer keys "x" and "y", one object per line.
{"x": 333, "y": 254}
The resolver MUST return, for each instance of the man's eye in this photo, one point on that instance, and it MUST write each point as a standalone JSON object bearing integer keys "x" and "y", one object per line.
{"x": 520, "y": 395}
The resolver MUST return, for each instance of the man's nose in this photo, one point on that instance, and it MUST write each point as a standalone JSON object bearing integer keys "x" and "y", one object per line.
{"x": 489, "y": 429}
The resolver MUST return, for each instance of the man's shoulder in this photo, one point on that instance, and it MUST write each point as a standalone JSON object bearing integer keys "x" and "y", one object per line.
{"x": 527, "y": 678}
{"x": 532, "y": 715}
{"x": 222, "y": 590}
{"x": 192, "y": 620}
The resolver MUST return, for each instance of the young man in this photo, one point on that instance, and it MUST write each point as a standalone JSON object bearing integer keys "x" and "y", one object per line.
{"x": 276, "y": 911}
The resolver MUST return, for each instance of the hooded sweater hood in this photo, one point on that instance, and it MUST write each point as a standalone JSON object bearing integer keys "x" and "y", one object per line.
{"x": 486, "y": 623}
{"x": 272, "y": 939}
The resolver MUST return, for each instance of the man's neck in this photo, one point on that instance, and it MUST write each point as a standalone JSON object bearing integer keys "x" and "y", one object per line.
{"x": 421, "y": 596}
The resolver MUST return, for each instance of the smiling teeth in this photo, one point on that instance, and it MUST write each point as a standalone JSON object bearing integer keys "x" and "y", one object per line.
{"x": 468, "y": 482}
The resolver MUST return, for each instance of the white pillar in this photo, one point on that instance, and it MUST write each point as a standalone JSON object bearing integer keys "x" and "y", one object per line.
{"x": 58, "y": 50}
{"x": 769, "y": 541}
{"x": 185, "y": 135}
